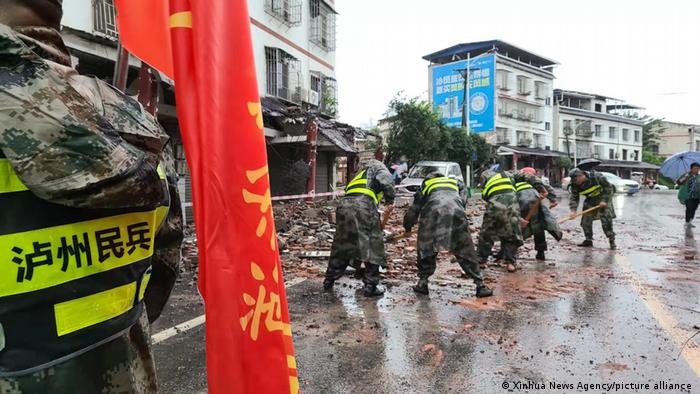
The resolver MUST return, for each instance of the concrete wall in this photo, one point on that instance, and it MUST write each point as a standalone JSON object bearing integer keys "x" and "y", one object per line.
{"x": 585, "y": 147}
{"x": 267, "y": 31}
{"x": 677, "y": 138}
{"x": 510, "y": 99}
{"x": 77, "y": 14}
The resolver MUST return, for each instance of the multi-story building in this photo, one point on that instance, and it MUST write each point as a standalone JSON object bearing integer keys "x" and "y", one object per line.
{"x": 677, "y": 137}
{"x": 510, "y": 99}
{"x": 294, "y": 45}
{"x": 517, "y": 85}
{"x": 587, "y": 126}
{"x": 594, "y": 126}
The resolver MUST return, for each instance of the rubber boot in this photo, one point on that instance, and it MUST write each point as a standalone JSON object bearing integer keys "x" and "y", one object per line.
{"x": 422, "y": 286}
{"x": 373, "y": 291}
{"x": 483, "y": 291}
{"x": 510, "y": 266}
{"x": 328, "y": 284}
{"x": 540, "y": 255}
{"x": 613, "y": 246}
{"x": 586, "y": 244}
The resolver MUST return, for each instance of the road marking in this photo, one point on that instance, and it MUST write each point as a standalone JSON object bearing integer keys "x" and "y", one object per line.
{"x": 691, "y": 352}
{"x": 182, "y": 327}
{"x": 199, "y": 320}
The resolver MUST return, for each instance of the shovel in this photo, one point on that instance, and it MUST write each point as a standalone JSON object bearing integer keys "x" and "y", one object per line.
{"x": 589, "y": 210}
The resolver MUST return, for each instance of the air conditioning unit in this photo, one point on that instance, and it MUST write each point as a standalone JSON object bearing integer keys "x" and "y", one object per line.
{"x": 314, "y": 97}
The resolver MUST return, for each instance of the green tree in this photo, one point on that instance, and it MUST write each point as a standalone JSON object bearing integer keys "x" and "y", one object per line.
{"x": 651, "y": 131}
{"x": 418, "y": 133}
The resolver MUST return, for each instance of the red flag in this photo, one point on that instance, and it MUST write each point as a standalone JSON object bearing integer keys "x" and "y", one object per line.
{"x": 249, "y": 339}
{"x": 143, "y": 30}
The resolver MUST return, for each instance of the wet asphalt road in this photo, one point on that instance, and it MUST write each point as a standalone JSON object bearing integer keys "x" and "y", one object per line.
{"x": 585, "y": 316}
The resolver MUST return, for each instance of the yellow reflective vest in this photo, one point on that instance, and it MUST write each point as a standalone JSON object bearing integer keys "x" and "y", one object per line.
{"x": 71, "y": 279}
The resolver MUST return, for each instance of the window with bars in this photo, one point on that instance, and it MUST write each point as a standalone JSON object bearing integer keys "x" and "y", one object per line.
{"x": 636, "y": 135}
{"x": 613, "y": 132}
{"x": 285, "y": 11}
{"x": 598, "y": 130}
{"x": 625, "y": 134}
{"x": 105, "y": 17}
{"x": 322, "y": 25}
{"x": 282, "y": 75}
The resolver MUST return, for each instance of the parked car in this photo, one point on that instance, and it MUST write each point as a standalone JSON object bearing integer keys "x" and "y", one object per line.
{"x": 660, "y": 187}
{"x": 421, "y": 169}
{"x": 619, "y": 185}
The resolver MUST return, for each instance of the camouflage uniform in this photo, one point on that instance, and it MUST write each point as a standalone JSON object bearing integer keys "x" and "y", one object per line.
{"x": 358, "y": 235}
{"x": 502, "y": 217}
{"x": 542, "y": 220}
{"x": 443, "y": 226}
{"x": 605, "y": 215}
{"x": 79, "y": 142}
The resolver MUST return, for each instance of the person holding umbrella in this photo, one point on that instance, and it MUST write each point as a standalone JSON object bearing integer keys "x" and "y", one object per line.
{"x": 689, "y": 194}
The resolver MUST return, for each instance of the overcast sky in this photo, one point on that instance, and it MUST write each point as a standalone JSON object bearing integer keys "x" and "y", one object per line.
{"x": 647, "y": 53}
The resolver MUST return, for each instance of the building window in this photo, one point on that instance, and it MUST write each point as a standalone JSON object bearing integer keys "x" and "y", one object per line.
{"x": 611, "y": 154}
{"x": 697, "y": 146}
{"x": 547, "y": 126}
{"x": 598, "y": 108}
{"x": 282, "y": 75}
{"x": 540, "y": 90}
{"x": 567, "y": 127}
{"x": 322, "y": 25}
{"x": 502, "y": 79}
{"x": 624, "y": 154}
{"x": 523, "y": 85}
{"x": 502, "y": 135}
{"x": 636, "y": 135}
{"x": 625, "y": 134}
{"x": 285, "y": 11}
{"x": 613, "y": 133}
{"x": 598, "y": 130}
{"x": 636, "y": 155}
{"x": 598, "y": 151}
{"x": 105, "y": 17}
{"x": 523, "y": 138}
{"x": 548, "y": 101}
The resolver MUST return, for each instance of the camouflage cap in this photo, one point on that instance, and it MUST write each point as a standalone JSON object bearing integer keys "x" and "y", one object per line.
{"x": 574, "y": 172}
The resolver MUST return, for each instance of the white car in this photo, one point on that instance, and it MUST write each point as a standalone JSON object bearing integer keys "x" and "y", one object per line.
{"x": 660, "y": 187}
{"x": 419, "y": 171}
{"x": 619, "y": 185}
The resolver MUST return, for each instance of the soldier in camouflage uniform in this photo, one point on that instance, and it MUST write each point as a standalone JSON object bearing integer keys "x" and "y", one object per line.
{"x": 502, "y": 215}
{"x": 77, "y": 147}
{"x": 597, "y": 191}
{"x": 443, "y": 226}
{"x": 542, "y": 220}
{"x": 358, "y": 235}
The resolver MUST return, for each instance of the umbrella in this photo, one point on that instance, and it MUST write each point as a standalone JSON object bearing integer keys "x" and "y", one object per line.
{"x": 677, "y": 165}
{"x": 588, "y": 164}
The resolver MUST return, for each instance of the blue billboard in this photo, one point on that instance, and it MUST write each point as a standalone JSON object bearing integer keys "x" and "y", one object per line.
{"x": 448, "y": 92}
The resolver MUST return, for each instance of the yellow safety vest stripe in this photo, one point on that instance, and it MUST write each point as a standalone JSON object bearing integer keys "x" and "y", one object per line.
{"x": 52, "y": 249}
{"x": 439, "y": 183}
{"x": 520, "y": 186}
{"x": 498, "y": 183}
{"x": 10, "y": 182}
{"x": 592, "y": 191}
{"x": 87, "y": 311}
{"x": 363, "y": 190}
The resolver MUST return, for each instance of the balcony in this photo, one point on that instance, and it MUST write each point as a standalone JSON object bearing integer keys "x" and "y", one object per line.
{"x": 105, "y": 18}
{"x": 285, "y": 11}
{"x": 584, "y": 132}
{"x": 502, "y": 139}
{"x": 525, "y": 142}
